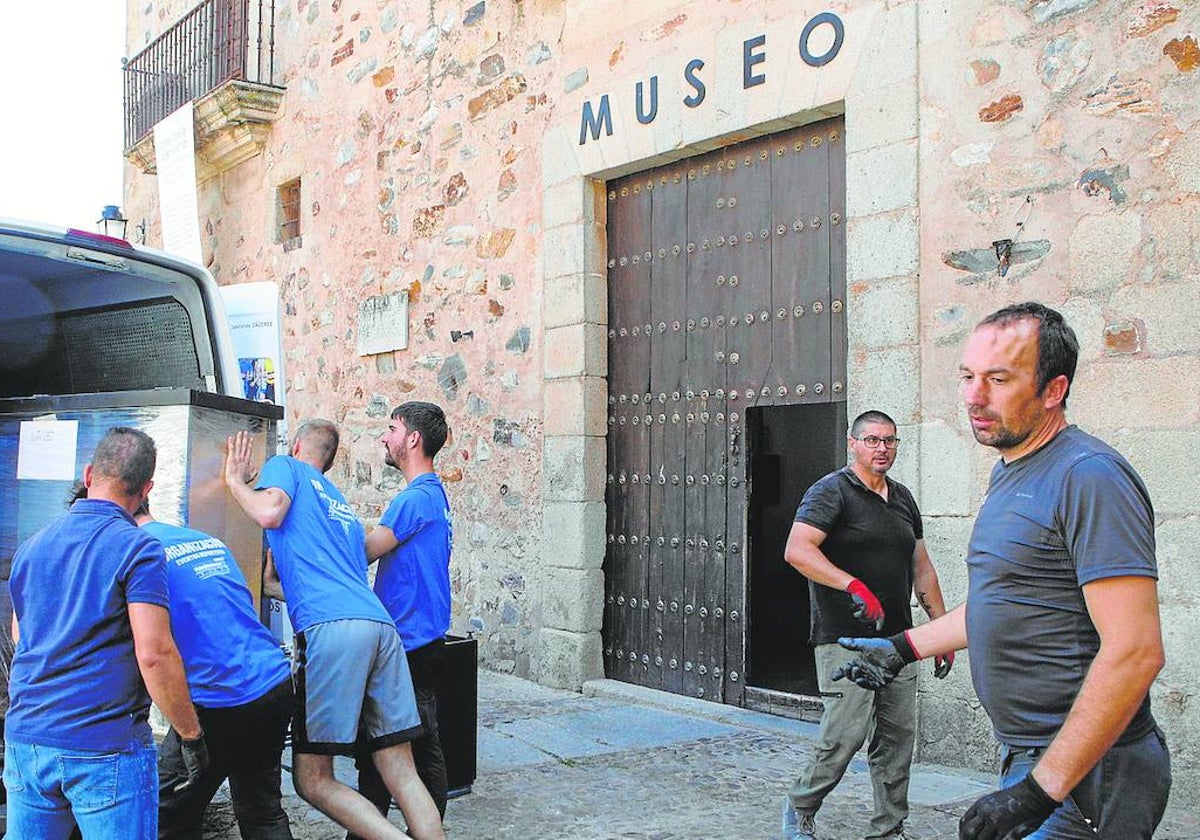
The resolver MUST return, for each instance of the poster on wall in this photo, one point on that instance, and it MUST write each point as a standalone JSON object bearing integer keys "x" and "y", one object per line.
{"x": 175, "y": 158}
{"x": 255, "y": 327}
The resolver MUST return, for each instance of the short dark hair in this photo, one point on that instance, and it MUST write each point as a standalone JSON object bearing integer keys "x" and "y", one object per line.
{"x": 324, "y": 437}
{"x": 869, "y": 417}
{"x": 127, "y": 455}
{"x": 426, "y": 418}
{"x": 78, "y": 491}
{"x": 1057, "y": 347}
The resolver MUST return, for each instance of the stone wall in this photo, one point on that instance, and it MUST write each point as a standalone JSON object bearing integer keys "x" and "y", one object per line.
{"x": 438, "y": 147}
{"x": 1069, "y": 126}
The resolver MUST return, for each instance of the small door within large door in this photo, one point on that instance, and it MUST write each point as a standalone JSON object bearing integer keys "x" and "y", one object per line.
{"x": 726, "y": 278}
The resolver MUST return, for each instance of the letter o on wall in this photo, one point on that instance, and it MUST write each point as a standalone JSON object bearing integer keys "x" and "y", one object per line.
{"x": 839, "y": 34}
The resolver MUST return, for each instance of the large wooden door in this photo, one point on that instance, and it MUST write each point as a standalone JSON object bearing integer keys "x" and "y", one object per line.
{"x": 726, "y": 278}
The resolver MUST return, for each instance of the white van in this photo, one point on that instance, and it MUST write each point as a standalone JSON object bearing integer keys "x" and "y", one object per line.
{"x": 83, "y": 313}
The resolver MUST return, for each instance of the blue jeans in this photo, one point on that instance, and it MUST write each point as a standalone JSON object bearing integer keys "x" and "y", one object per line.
{"x": 112, "y": 796}
{"x": 1123, "y": 798}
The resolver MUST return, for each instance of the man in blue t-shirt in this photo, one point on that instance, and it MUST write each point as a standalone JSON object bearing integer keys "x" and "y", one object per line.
{"x": 94, "y": 647}
{"x": 1061, "y": 618}
{"x": 413, "y": 543}
{"x": 240, "y": 682}
{"x": 351, "y": 672}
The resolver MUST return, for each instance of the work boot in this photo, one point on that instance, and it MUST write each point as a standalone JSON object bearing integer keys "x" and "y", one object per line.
{"x": 797, "y": 826}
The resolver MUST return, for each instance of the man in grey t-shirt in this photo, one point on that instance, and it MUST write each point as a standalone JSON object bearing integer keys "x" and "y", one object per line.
{"x": 1061, "y": 618}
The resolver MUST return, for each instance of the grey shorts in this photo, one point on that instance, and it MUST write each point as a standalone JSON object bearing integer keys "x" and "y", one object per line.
{"x": 352, "y": 682}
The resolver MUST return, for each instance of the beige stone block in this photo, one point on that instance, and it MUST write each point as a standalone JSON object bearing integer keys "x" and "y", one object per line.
{"x": 566, "y": 659}
{"x": 573, "y": 202}
{"x": 573, "y": 469}
{"x": 947, "y": 460}
{"x": 881, "y": 179}
{"x": 1183, "y": 162}
{"x": 1137, "y": 392}
{"x": 881, "y": 116}
{"x": 1169, "y": 311}
{"x": 947, "y": 538}
{"x": 560, "y": 155}
{"x": 575, "y": 406}
{"x": 576, "y": 299}
{"x": 573, "y": 599}
{"x": 1155, "y": 454}
{"x": 891, "y": 57}
{"x": 883, "y": 313}
{"x": 573, "y": 534}
{"x": 888, "y": 379}
{"x": 575, "y": 350}
{"x": 906, "y": 469}
{"x": 573, "y": 249}
{"x": 1102, "y": 250}
{"x": 1176, "y": 548}
{"x": 1173, "y": 240}
{"x": 886, "y": 245}
{"x": 1085, "y": 315}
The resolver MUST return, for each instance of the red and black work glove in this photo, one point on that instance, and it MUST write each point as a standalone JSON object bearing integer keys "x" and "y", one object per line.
{"x": 1008, "y": 814}
{"x": 878, "y": 661}
{"x": 867, "y": 608}
{"x": 942, "y": 663}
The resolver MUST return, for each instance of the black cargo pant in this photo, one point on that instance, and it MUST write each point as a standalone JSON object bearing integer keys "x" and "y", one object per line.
{"x": 425, "y": 664}
{"x": 245, "y": 744}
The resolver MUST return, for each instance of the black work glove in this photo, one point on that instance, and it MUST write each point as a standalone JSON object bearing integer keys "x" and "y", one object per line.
{"x": 878, "y": 662}
{"x": 195, "y": 761}
{"x": 1008, "y": 814}
{"x": 942, "y": 663}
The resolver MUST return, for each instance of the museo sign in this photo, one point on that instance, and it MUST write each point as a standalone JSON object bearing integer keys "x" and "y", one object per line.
{"x": 594, "y": 119}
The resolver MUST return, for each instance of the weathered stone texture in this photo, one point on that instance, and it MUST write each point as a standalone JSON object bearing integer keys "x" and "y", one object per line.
{"x": 570, "y": 601}
{"x": 1103, "y": 249}
{"x": 566, "y": 659}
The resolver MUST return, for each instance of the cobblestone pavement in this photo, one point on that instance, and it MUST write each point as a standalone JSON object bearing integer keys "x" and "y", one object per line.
{"x": 623, "y": 763}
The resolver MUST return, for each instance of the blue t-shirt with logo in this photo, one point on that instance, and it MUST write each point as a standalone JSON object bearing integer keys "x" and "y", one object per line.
{"x": 414, "y": 577}
{"x": 229, "y": 656}
{"x": 319, "y": 549}
{"x": 75, "y": 681}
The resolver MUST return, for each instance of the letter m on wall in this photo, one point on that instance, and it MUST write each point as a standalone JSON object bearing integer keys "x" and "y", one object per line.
{"x": 591, "y": 121}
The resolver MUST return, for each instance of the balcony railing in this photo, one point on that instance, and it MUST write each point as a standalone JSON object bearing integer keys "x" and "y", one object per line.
{"x": 216, "y": 42}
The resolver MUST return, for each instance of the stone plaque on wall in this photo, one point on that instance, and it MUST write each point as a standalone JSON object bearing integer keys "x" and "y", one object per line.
{"x": 383, "y": 324}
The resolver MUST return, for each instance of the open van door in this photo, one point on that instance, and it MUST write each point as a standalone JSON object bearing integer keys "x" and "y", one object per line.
{"x": 83, "y": 313}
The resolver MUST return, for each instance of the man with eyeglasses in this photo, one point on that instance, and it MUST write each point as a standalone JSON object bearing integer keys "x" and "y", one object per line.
{"x": 859, "y": 541}
{"x": 1061, "y": 617}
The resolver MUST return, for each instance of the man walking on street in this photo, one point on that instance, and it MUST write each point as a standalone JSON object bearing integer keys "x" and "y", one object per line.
{"x": 241, "y": 685}
{"x": 413, "y": 543}
{"x": 94, "y": 647}
{"x": 1061, "y": 618}
{"x": 859, "y": 541}
{"x": 351, "y": 671}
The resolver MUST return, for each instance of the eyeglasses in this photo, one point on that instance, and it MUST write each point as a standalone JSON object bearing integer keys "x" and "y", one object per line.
{"x": 871, "y": 441}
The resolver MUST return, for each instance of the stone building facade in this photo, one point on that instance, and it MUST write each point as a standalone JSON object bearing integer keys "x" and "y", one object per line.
{"x": 458, "y": 155}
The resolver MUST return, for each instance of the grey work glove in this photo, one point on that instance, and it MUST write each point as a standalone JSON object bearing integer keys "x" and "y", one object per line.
{"x": 878, "y": 661}
{"x": 1008, "y": 814}
{"x": 195, "y": 760}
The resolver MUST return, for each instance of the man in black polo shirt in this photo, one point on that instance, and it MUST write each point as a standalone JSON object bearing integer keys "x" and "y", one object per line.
{"x": 858, "y": 539}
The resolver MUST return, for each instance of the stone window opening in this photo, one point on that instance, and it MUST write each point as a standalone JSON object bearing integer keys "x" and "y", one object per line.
{"x": 288, "y": 215}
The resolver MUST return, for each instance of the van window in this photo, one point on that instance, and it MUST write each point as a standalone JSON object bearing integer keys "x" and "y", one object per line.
{"x": 79, "y": 318}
